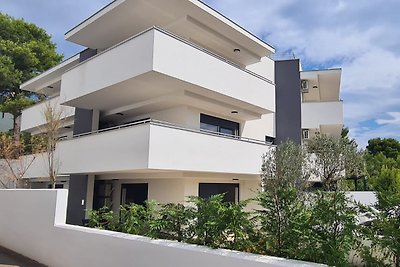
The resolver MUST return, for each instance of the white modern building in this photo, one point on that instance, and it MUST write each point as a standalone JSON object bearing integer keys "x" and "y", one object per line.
{"x": 321, "y": 107}
{"x": 170, "y": 99}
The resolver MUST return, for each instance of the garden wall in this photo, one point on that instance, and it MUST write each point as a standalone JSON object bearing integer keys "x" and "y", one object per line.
{"x": 32, "y": 223}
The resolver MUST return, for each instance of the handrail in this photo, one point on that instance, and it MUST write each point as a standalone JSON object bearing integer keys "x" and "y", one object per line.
{"x": 172, "y": 126}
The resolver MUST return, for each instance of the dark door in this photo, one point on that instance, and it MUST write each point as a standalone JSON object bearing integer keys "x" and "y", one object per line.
{"x": 134, "y": 193}
{"x": 231, "y": 191}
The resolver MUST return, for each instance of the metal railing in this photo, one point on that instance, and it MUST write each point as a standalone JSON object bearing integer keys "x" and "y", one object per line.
{"x": 172, "y": 126}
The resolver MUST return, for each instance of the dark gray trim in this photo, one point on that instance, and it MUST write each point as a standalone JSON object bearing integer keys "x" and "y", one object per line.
{"x": 288, "y": 101}
{"x": 77, "y": 199}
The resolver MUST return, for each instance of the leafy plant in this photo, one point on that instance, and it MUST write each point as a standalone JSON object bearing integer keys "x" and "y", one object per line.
{"x": 138, "y": 219}
{"x": 333, "y": 230}
{"x": 103, "y": 219}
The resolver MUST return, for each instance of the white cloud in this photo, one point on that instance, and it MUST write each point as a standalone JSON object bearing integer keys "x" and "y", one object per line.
{"x": 395, "y": 119}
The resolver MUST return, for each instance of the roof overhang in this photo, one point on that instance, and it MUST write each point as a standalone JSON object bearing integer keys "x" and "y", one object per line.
{"x": 191, "y": 19}
{"x": 48, "y": 80}
{"x": 326, "y": 81}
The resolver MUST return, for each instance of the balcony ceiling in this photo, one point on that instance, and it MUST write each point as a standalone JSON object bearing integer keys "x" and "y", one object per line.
{"x": 142, "y": 94}
{"x": 327, "y": 82}
{"x": 190, "y": 19}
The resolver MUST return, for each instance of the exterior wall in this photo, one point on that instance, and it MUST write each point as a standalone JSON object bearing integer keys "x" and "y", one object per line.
{"x": 175, "y": 188}
{"x": 120, "y": 63}
{"x": 315, "y": 114}
{"x": 6, "y": 122}
{"x": 148, "y": 147}
{"x": 265, "y": 68}
{"x": 180, "y": 115}
{"x": 288, "y": 101}
{"x": 202, "y": 152}
{"x": 193, "y": 66}
{"x": 34, "y": 215}
{"x": 258, "y": 129}
{"x": 185, "y": 67}
{"x": 33, "y": 117}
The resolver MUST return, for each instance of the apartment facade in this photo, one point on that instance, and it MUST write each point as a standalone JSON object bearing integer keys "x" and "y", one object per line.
{"x": 170, "y": 99}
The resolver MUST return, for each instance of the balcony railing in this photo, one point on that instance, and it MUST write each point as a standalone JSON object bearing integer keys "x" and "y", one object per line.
{"x": 172, "y": 126}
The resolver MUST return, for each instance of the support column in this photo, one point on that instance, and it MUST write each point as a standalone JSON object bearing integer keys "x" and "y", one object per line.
{"x": 79, "y": 197}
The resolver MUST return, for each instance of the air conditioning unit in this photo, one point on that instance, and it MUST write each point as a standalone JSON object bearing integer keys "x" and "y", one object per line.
{"x": 304, "y": 86}
{"x": 306, "y": 134}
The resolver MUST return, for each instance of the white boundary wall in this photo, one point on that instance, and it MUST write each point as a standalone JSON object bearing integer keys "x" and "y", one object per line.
{"x": 32, "y": 223}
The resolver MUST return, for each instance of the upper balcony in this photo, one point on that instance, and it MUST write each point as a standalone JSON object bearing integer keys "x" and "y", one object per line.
{"x": 33, "y": 117}
{"x": 315, "y": 114}
{"x": 49, "y": 82}
{"x": 147, "y": 146}
{"x": 190, "y": 19}
{"x": 323, "y": 85}
{"x": 156, "y": 69}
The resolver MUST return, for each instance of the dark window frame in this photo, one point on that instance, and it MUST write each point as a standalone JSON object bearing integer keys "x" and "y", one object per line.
{"x": 202, "y": 187}
{"x": 220, "y": 123}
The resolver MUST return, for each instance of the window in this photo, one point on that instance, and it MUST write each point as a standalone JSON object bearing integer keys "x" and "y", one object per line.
{"x": 306, "y": 134}
{"x": 218, "y": 125}
{"x": 102, "y": 196}
{"x": 269, "y": 139}
{"x": 231, "y": 191}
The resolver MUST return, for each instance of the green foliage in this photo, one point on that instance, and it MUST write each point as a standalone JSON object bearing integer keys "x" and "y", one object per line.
{"x": 103, "y": 219}
{"x": 283, "y": 214}
{"x": 283, "y": 220}
{"x": 388, "y": 146}
{"x": 332, "y": 232}
{"x": 387, "y": 186}
{"x": 173, "y": 222}
{"x": 138, "y": 219}
{"x": 25, "y": 50}
{"x": 15, "y": 105}
{"x": 219, "y": 224}
{"x": 383, "y": 166}
{"x": 335, "y": 159}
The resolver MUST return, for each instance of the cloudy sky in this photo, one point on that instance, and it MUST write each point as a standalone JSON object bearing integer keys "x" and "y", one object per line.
{"x": 360, "y": 36}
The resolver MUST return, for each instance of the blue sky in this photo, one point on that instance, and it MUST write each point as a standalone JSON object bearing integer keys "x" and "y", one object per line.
{"x": 362, "y": 37}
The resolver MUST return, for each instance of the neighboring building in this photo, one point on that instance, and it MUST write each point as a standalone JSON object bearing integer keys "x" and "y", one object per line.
{"x": 321, "y": 107}
{"x": 6, "y": 122}
{"x": 168, "y": 100}
{"x": 307, "y": 102}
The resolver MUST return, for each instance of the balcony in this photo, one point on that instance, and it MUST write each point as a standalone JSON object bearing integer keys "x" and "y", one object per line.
{"x": 33, "y": 117}
{"x": 155, "y": 65}
{"x": 315, "y": 114}
{"x": 156, "y": 146}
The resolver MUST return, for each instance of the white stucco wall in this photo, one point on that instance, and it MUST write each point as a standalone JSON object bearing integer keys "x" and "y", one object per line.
{"x": 34, "y": 117}
{"x": 258, "y": 129}
{"x": 315, "y": 114}
{"x": 32, "y": 223}
{"x": 265, "y": 68}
